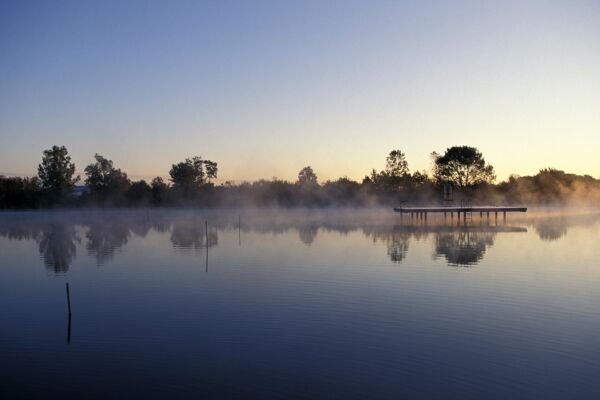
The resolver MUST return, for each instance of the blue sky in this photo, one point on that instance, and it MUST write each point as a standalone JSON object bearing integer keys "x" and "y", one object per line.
{"x": 265, "y": 88}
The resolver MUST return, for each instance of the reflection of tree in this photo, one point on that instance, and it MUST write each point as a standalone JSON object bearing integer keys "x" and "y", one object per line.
{"x": 161, "y": 224}
{"x": 20, "y": 232}
{"x": 140, "y": 226}
{"x": 308, "y": 233}
{"x": 104, "y": 237}
{"x": 396, "y": 242}
{"x": 192, "y": 235}
{"x": 551, "y": 230}
{"x": 57, "y": 246}
{"x": 397, "y": 247}
{"x": 463, "y": 248}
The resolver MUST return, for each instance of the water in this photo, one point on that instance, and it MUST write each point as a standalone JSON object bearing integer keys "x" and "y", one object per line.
{"x": 298, "y": 305}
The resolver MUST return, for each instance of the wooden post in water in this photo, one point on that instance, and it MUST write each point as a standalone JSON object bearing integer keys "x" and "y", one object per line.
{"x": 206, "y": 242}
{"x": 239, "y": 230}
{"x": 69, "y": 317}
{"x": 68, "y": 299}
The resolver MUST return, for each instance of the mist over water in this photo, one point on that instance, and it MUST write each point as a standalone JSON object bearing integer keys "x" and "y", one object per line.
{"x": 348, "y": 303}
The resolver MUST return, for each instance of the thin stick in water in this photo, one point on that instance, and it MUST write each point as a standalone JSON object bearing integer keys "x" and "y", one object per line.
{"x": 68, "y": 298}
{"x": 69, "y": 317}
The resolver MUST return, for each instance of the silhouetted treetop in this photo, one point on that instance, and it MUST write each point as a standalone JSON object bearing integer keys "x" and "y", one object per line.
{"x": 211, "y": 169}
{"x": 56, "y": 173}
{"x": 187, "y": 175}
{"x": 103, "y": 177}
{"x": 396, "y": 164}
{"x": 307, "y": 176}
{"x": 463, "y": 166}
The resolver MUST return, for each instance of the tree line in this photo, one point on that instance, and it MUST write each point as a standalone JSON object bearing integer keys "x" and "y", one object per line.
{"x": 460, "y": 170}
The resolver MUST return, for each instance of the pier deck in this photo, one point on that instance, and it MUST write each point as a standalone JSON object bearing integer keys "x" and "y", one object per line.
{"x": 421, "y": 212}
{"x": 485, "y": 209}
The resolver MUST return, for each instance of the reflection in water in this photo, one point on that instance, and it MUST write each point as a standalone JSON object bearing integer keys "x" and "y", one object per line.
{"x": 463, "y": 245}
{"x": 395, "y": 241}
{"x": 192, "y": 235}
{"x": 463, "y": 248}
{"x": 308, "y": 233}
{"x": 366, "y": 291}
{"x": 105, "y": 237}
{"x": 107, "y": 232}
{"x": 551, "y": 230}
{"x": 57, "y": 246}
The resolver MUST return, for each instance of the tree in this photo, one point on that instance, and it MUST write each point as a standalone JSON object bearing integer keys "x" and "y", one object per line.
{"x": 211, "y": 169}
{"x": 396, "y": 165}
{"x": 307, "y": 176}
{"x": 396, "y": 174}
{"x": 104, "y": 179}
{"x": 419, "y": 178}
{"x": 139, "y": 193}
{"x": 188, "y": 176}
{"x": 56, "y": 173}
{"x": 159, "y": 190}
{"x": 462, "y": 166}
{"x": 19, "y": 192}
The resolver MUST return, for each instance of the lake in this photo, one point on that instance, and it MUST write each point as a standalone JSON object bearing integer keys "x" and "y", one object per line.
{"x": 322, "y": 304}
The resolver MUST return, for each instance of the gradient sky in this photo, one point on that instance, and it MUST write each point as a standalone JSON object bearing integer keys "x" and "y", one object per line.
{"x": 265, "y": 88}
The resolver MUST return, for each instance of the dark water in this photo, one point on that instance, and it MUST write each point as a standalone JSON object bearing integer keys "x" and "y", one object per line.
{"x": 295, "y": 305}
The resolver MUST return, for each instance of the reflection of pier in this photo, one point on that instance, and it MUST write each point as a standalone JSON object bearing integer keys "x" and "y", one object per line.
{"x": 422, "y": 212}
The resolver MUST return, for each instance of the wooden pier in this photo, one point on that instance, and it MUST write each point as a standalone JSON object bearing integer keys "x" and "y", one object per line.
{"x": 422, "y": 212}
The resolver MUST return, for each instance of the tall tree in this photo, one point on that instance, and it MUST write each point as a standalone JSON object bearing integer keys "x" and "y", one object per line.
{"x": 56, "y": 173}
{"x": 211, "y": 169}
{"x": 104, "y": 179}
{"x": 396, "y": 165}
{"x": 307, "y": 176}
{"x": 462, "y": 166}
{"x": 396, "y": 174}
{"x": 188, "y": 176}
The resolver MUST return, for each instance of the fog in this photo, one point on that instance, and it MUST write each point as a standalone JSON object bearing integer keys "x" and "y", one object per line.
{"x": 103, "y": 233}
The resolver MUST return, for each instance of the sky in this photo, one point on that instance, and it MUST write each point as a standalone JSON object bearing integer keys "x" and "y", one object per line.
{"x": 267, "y": 87}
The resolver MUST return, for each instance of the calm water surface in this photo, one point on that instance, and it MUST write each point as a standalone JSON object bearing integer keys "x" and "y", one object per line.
{"x": 298, "y": 305}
